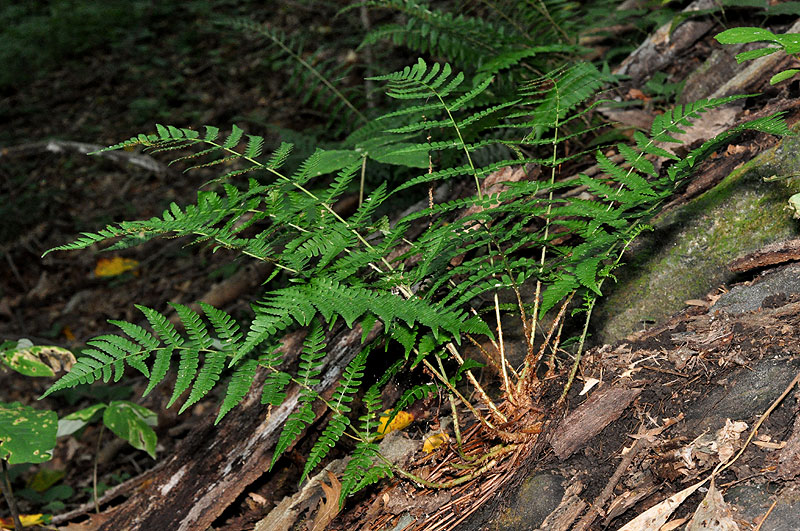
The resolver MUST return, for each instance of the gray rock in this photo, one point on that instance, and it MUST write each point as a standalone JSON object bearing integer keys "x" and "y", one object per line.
{"x": 746, "y": 395}
{"x": 687, "y": 255}
{"x": 744, "y": 298}
{"x": 751, "y": 502}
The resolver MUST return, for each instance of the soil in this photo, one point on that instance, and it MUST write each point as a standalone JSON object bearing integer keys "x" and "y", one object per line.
{"x": 690, "y": 375}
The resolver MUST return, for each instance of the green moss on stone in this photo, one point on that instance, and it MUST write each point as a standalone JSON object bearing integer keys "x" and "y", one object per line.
{"x": 687, "y": 254}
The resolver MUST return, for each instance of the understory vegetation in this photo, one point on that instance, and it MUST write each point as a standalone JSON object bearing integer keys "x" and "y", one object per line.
{"x": 444, "y": 183}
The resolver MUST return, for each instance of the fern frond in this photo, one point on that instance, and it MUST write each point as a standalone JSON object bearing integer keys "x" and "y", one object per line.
{"x": 160, "y": 368}
{"x": 670, "y": 123}
{"x": 238, "y": 386}
{"x": 273, "y": 391}
{"x": 228, "y": 331}
{"x": 344, "y": 394}
{"x": 309, "y": 370}
{"x": 109, "y": 357}
{"x": 420, "y": 82}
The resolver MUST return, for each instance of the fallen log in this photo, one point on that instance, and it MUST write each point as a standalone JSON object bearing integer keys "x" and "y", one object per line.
{"x": 212, "y": 466}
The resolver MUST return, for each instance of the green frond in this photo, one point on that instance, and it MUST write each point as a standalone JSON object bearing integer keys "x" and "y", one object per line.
{"x": 121, "y": 348}
{"x": 255, "y": 145}
{"x": 420, "y": 82}
{"x": 327, "y": 440}
{"x": 273, "y": 391}
{"x": 144, "y": 338}
{"x": 190, "y": 355}
{"x": 671, "y": 122}
{"x": 363, "y": 469}
{"x": 207, "y": 377}
{"x": 160, "y": 368}
{"x": 294, "y": 425}
{"x": 556, "y": 292}
{"x": 238, "y": 386}
{"x": 279, "y": 156}
{"x": 370, "y": 204}
{"x": 586, "y": 273}
{"x": 344, "y": 394}
{"x": 225, "y": 326}
{"x": 107, "y": 359}
{"x": 263, "y": 327}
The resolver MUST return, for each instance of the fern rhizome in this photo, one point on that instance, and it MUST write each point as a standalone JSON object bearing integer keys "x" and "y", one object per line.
{"x": 414, "y": 280}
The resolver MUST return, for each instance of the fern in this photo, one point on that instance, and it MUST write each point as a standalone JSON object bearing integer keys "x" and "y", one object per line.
{"x": 311, "y": 361}
{"x": 339, "y": 403}
{"x": 420, "y": 274}
{"x": 309, "y": 75}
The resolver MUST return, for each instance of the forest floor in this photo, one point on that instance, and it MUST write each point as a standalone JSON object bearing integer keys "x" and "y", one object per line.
{"x": 688, "y": 375}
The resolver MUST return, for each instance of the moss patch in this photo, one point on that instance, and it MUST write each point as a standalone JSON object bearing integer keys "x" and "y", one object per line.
{"x": 686, "y": 256}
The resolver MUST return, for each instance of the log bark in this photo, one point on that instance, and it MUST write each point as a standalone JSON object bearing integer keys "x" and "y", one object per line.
{"x": 662, "y": 48}
{"x": 213, "y": 465}
{"x": 601, "y": 409}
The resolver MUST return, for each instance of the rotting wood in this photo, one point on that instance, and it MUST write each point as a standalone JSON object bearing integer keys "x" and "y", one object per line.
{"x": 628, "y": 499}
{"x": 568, "y": 510}
{"x": 788, "y": 458}
{"x": 213, "y": 465}
{"x": 600, "y": 502}
{"x": 64, "y": 146}
{"x": 772, "y": 254}
{"x": 661, "y": 48}
{"x": 601, "y": 409}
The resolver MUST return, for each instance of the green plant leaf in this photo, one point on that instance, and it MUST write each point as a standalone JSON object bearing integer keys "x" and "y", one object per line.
{"x": 77, "y": 420}
{"x": 27, "y": 435}
{"x": 36, "y": 361}
{"x": 744, "y": 35}
{"x": 394, "y": 154}
{"x": 781, "y": 76}
{"x": 132, "y": 423}
{"x": 754, "y": 54}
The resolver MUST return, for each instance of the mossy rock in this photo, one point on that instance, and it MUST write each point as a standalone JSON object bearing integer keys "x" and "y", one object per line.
{"x": 686, "y": 256}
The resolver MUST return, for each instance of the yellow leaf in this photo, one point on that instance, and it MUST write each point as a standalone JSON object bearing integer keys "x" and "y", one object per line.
{"x": 400, "y": 421}
{"x": 68, "y": 334}
{"x": 111, "y": 267}
{"x": 27, "y": 520}
{"x": 434, "y": 441}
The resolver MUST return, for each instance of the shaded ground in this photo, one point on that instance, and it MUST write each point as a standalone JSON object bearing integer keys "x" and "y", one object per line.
{"x": 688, "y": 394}
{"x": 707, "y": 364}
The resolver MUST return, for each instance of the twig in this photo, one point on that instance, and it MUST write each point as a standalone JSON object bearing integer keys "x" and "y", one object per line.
{"x": 722, "y": 466}
{"x": 9, "y": 496}
{"x": 94, "y": 471}
{"x": 758, "y": 527}
{"x": 603, "y": 497}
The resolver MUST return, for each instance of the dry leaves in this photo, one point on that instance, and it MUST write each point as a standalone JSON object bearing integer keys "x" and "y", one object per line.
{"x": 329, "y": 508}
{"x": 713, "y": 514}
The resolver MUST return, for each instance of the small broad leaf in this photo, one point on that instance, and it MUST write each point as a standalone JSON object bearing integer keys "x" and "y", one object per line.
{"x": 132, "y": 423}
{"x": 27, "y": 435}
{"x": 111, "y": 267}
{"x": 435, "y": 441}
{"x": 387, "y": 424}
{"x": 754, "y": 54}
{"x": 29, "y": 360}
{"x": 781, "y": 76}
{"x": 75, "y": 421}
{"x": 744, "y": 35}
{"x": 395, "y": 154}
{"x": 323, "y": 162}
